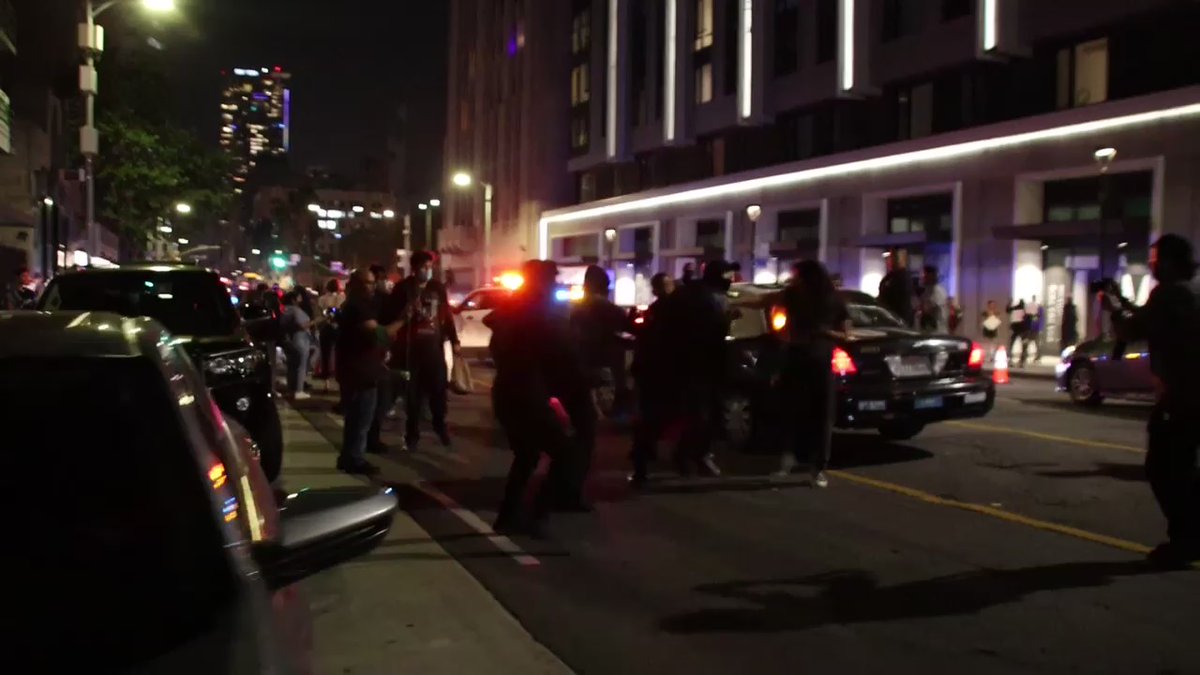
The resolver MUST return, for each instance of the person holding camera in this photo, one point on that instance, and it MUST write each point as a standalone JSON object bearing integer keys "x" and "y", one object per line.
{"x": 1170, "y": 323}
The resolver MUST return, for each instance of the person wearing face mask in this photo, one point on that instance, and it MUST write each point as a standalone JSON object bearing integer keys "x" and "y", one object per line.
{"x": 423, "y": 305}
{"x": 1170, "y": 324}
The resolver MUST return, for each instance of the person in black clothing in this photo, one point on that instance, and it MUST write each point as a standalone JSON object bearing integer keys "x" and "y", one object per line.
{"x": 697, "y": 324}
{"x": 896, "y": 290}
{"x": 538, "y": 365}
{"x": 1170, "y": 323}
{"x": 361, "y": 345}
{"x": 390, "y": 381}
{"x": 598, "y": 325}
{"x": 421, "y": 302}
{"x": 815, "y": 317}
{"x": 1070, "y": 325}
{"x": 652, "y": 373}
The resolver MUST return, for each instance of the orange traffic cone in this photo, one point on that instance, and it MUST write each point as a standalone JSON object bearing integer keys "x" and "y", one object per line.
{"x": 1000, "y": 367}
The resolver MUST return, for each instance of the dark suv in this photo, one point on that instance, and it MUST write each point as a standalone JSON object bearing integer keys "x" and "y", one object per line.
{"x": 195, "y": 307}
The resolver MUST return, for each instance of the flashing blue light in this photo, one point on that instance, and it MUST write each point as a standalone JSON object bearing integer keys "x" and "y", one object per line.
{"x": 562, "y": 295}
{"x": 235, "y": 300}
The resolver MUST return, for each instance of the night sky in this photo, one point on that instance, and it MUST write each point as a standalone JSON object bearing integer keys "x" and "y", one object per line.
{"x": 353, "y": 62}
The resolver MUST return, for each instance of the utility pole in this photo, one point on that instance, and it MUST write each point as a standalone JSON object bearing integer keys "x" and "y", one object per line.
{"x": 91, "y": 40}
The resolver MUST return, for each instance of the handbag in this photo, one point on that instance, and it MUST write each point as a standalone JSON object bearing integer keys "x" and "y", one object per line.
{"x": 460, "y": 377}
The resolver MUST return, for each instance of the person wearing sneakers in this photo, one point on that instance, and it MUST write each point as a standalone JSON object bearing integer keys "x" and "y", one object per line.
{"x": 815, "y": 317}
{"x": 361, "y": 345}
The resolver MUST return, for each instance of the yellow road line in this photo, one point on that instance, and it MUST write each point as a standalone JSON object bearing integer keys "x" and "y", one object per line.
{"x": 975, "y": 426}
{"x": 1102, "y": 539}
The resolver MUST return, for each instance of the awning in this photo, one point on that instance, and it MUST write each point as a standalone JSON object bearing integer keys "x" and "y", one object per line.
{"x": 1138, "y": 230}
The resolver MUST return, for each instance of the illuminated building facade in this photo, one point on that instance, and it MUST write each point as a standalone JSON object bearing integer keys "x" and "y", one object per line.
{"x": 255, "y": 118}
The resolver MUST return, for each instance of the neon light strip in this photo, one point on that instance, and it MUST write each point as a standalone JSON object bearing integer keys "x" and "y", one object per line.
{"x": 672, "y": 46}
{"x": 847, "y": 17}
{"x": 747, "y": 84}
{"x": 287, "y": 119}
{"x": 613, "y": 45}
{"x": 903, "y": 159}
{"x": 991, "y": 21}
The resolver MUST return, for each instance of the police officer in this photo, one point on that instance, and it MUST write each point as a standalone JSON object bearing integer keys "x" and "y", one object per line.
{"x": 1170, "y": 323}
{"x": 653, "y": 368}
{"x": 537, "y": 366}
{"x": 598, "y": 324}
{"x": 697, "y": 325}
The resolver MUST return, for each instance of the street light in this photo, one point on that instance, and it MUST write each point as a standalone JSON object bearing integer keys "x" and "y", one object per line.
{"x": 255, "y": 251}
{"x": 1104, "y": 157}
{"x": 435, "y": 203}
{"x": 314, "y": 207}
{"x": 48, "y": 201}
{"x": 183, "y": 241}
{"x": 388, "y": 213}
{"x": 423, "y": 206}
{"x": 183, "y": 209}
{"x": 463, "y": 179}
{"x": 166, "y": 229}
{"x": 91, "y": 41}
{"x": 428, "y": 208}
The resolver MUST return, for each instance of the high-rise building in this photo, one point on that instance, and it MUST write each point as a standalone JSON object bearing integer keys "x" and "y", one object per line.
{"x": 255, "y": 118}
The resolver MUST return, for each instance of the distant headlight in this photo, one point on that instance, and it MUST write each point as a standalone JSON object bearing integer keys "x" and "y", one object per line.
{"x": 1068, "y": 353}
{"x": 241, "y": 363}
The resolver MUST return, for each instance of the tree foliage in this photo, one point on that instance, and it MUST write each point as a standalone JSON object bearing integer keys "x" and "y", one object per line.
{"x": 147, "y": 163}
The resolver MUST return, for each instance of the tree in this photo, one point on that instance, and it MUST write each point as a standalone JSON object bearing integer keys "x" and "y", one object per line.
{"x": 147, "y": 163}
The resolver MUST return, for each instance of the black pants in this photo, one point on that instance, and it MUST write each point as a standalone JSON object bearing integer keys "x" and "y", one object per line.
{"x": 1173, "y": 441}
{"x": 807, "y": 383}
{"x": 327, "y": 336}
{"x": 699, "y": 412}
{"x": 389, "y": 386}
{"x": 654, "y": 415}
{"x": 532, "y": 431}
{"x": 427, "y": 381}
{"x": 578, "y": 458}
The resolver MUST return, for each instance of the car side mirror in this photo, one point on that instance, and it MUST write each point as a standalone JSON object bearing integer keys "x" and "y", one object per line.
{"x": 323, "y": 528}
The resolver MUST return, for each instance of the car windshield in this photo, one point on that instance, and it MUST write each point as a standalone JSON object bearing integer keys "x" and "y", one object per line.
{"x": 750, "y": 320}
{"x": 872, "y": 316}
{"x": 109, "y": 516}
{"x": 187, "y": 303}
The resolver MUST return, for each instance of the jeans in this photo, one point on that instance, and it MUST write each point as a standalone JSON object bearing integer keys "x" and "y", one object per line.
{"x": 427, "y": 380}
{"x": 358, "y": 407}
{"x": 297, "y": 348}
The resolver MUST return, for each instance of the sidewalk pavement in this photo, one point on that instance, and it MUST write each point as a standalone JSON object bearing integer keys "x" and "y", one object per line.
{"x": 408, "y": 606}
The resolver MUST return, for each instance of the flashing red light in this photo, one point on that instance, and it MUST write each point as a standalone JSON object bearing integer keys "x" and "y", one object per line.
{"x": 278, "y": 69}
{"x": 639, "y": 319}
{"x": 842, "y": 363}
{"x": 778, "y": 319}
{"x": 975, "y": 360}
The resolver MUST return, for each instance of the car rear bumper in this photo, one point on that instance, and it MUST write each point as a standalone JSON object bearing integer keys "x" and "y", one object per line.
{"x": 867, "y": 406}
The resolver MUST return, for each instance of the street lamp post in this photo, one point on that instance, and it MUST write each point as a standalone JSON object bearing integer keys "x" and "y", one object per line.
{"x": 1104, "y": 157}
{"x": 428, "y": 208}
{"x": 91, "y": 41}
{"x": 464, "y": 180}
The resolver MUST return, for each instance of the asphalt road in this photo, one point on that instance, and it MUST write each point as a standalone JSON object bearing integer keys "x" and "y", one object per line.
{"x": 1008, "y": 544}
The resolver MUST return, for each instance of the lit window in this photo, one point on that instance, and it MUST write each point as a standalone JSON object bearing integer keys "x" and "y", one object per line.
{"x": 1083, "y": 74}
{"x": 704, "y": 83}
{"x": 581, "y": 32}
{"x": 580, "y": 85}
{"x": 704, "y": 24}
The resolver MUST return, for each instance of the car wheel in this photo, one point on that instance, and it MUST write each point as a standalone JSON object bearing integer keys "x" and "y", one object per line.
{"x": 268, "y": 435}
{"x": 901, "y": 430}
{"x": 737, "y": 422}
{"x": 1081, "y": 385}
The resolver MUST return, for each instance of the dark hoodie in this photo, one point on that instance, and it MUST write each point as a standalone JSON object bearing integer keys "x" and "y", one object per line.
{"x": 1170, "y": 323}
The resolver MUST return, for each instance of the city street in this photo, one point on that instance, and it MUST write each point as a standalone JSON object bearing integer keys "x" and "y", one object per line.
{"x": 1008, "y": 544}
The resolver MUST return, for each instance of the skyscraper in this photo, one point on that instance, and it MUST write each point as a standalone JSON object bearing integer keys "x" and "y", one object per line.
{"x": 255, "y": 118}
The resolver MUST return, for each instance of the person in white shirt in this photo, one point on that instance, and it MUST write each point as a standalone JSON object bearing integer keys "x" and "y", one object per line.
{"x": 1033, "y": 326}
{"x": 327, "y": 305}
{"x": 935, "y": 313}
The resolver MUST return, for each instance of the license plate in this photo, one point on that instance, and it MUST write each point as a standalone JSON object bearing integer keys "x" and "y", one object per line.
{"x": 975, "y": 397}
{"x": 872, "y": 406}
{"x": 927, "y": 403}
{"x": 911, "y": 366}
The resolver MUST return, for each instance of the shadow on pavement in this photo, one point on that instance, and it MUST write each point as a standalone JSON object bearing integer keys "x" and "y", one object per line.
{"x": 1127, "y": 410}
{"x": 1127, "y": 472}
{"x": 855, "y": 596}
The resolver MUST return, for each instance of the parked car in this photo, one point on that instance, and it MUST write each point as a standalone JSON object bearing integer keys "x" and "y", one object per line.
{"x": 148, "y": 538}
{"x": 1102, "y": 368}
{"x": 889, "y": 377}
{"x": 195, "y": 307}
{"x": 472, "y": 310}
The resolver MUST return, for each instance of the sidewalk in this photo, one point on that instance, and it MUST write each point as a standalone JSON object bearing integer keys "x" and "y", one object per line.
{"x": 408, "y": 606}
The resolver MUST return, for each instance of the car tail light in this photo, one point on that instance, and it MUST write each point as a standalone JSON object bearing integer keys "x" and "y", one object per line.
{"x": 778, "y": 319}
{"x": 975, "y": 360}
{"x": 842, "y": 363}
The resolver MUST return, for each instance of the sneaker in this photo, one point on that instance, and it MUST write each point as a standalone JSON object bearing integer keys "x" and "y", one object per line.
{"x": 302, "y": 396}
{"x": 361, "y": 468}
{"x": 820, "y": 480}
{"x": 708, "y": 467}
{"x": 787, "y": 464}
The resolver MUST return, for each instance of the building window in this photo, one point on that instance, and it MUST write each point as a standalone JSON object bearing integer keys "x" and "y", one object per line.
{"x": 581, "y": 91}
{"x": 827, "y": 30}
{"x": 787, "y": 37}
{"x": 900, "y": 18}
{"x": 640, "y": 99}
{"x": 931, "y": 214}
{"x": 704, "y": 82}
{"x": 1083, "y": 74}
{"x": 704, "y": 24}
{"x": 955, "y": 9}
{"x": 581, "y": 32}
{"x": 914, "y": 111}
{"x": 1126, "y": 197}
{"x": 732, "y": 40}
{"x": 709, "y": 235}
{"x": 800, "y": 228}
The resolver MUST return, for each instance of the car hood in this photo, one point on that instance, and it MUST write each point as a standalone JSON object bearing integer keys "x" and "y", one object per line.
{"x": 200, "y": 348}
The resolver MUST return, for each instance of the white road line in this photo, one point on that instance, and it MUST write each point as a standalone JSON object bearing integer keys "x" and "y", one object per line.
{"x": 476, "y": 523}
